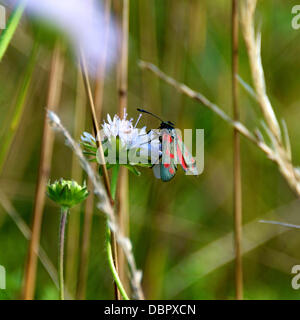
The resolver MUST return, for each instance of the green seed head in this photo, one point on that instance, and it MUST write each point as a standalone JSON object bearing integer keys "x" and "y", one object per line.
{"x": 66, "y": 193}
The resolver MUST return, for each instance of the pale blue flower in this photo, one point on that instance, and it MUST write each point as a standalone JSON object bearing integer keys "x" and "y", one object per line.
{"x": 83, "y": 22}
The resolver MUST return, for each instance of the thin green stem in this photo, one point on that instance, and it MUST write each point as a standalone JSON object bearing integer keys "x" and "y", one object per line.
{"x": 12, "y": 24}
{"x": 112, "y": 265}
{"x": 114, "y": 180}
{"x": 62, "y": 227}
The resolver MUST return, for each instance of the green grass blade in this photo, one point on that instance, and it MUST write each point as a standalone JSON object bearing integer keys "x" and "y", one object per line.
{"x": 19, "y": 108}
{"x": 12, "y": 24}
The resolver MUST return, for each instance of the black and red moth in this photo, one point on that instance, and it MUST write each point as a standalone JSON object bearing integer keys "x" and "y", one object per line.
{"x": 173, "y": 151}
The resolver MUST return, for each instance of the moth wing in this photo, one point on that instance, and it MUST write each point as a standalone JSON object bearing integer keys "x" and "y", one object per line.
{"x": 168, "y": 166}
{"x": 156, "y": 170}
{"x": 167, "y": 174}
{"x": 185, "y": 158}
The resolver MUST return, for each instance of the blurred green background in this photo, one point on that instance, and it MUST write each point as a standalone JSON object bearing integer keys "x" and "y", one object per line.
{"x": 182, "y": 230}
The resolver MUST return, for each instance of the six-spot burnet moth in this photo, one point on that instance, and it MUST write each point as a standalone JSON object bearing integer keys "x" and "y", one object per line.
{"x": 173, "y": 152}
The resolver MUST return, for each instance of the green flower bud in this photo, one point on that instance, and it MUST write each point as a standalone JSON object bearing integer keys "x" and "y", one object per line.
{"x": 66, "y": 193}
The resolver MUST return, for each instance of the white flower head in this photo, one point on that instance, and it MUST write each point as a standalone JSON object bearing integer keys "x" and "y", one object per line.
{"x": 130, "y": 137}
{"x": 123, "y": 141}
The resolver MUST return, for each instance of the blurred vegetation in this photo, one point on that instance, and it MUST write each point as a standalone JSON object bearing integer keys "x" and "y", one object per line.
{"x": 170, "y": 223}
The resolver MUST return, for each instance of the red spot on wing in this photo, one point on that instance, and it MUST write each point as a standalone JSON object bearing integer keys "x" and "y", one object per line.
{"x": 181, "y": 159}
{"x": 167, "y": 137}
{"x": 171, "y": 171}
{"x": 168, "y": 154}
{"x": 166, "y": 165}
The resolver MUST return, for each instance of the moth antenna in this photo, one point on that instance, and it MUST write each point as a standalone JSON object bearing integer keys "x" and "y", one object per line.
{"x": 153, "y": 115}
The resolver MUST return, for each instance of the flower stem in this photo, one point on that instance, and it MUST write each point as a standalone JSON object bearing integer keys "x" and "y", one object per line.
{"x": 114, "y": 180}
{"x": 112, "y": 265}
{"x": 62, "y": 227}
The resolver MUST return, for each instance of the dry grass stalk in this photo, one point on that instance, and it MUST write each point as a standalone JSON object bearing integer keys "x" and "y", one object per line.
{"x": 122, "y": 191}
{"x": 236, "y": 157}
{"x": 104, "y": 205}
{"x": 123, "y": 66}
{"x": 89, "y": 207}
{"x": 53, "y": 98}
{"x": 281, "y": 148}
{"x": 102, "y": 159}
{"x": 95, "y": 124}
{"x": 279, "y": 223}
{"x": 253, "y": 44}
